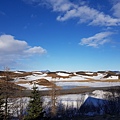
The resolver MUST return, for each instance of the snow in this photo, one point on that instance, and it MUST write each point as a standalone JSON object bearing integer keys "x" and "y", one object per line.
{"x": 113, "y": 77}
{"x": 18, "y": 72}
{"x": 97, "y": 98}
{"x": 89, "y": 73}
{"x": 62, "y": 74}
{"x": 101, "y": 94}
{"x": 74, "y": 78}
{"x": 67, "y": 82}
{"x": 76, "y": 100}
{"x": 70, "y": 101}
{"x": 98, "y": 77}
{"x": 35, "y": 77}
{"x": 37, "y": 72}
{"x": 16, "y": 104}
{"x": 30, "y": 86}
{"x": 77, "y": 78}
{"x": 89, "y": 84}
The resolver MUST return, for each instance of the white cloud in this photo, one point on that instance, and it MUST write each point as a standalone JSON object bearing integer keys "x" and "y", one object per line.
{"x": 82, "y": 12}
{"x": 116, "y": 9}
{"x": 90, "y": 15}
{"x": 36, "y": 50}
{"x": 60, "y": 5}
{"x": 105, "y": 20}
{"x": 9, "y": 45}
{"x": 12, "y": 50}
{"x": 97, "y": 39}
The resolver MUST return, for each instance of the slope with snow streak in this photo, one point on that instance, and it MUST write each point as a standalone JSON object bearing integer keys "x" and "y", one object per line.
{"x": 70, "y": 80}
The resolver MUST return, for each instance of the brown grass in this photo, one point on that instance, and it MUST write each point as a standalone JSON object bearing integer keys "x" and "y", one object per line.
{"x": 78, "y": 87}
{"x": 47, "y": 83}
{"x": 52, "y": 74}
{"x": 11, "y": 75}
{"x": 44, "y": 82}
{"x": 85, "y": 74}
{"x": 22, "y": 82}
{"x": 110, "y": 80}
{"x": 10, "y": 85}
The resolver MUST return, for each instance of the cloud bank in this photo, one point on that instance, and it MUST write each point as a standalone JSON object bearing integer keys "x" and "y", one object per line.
{"x": 12, "y": 49}
{"x": 82, "y": 11}
{"x": 116, "y": 9}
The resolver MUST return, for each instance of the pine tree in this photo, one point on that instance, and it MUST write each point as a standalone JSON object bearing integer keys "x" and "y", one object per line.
{"x": 35, "y": 105}
{"x": 1, "y": 106}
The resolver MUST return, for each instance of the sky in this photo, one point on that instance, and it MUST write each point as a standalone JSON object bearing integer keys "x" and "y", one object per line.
{"x": 56, "y": 35}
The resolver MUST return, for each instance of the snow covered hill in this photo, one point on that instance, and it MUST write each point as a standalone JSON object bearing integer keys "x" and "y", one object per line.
{"x": 62, "y": 79}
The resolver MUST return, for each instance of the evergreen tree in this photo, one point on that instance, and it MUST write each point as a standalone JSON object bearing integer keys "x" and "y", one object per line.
{"x": 1, "y": 106}
{"x": 35, "y": 105}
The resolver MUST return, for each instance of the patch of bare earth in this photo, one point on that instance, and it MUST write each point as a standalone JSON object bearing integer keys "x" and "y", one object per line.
{"x": 86, "y": 74}
{"x": 47, "y": 83}
{"x": 78, "y": 87}
{"x": 22, "y": 82}
{"x": 110, "y": 80}
{"x": 43, "y": 82}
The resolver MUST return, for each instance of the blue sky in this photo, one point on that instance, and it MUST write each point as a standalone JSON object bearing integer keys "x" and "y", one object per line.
{"x": 53, "y": 35}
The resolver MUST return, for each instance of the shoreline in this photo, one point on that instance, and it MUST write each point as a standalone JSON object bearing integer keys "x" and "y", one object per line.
{"x": 26, "y": 93}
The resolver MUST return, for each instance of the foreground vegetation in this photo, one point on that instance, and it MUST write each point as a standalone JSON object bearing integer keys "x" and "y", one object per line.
{"x": 35, "y": 111}
{"x": 13, "y": 107}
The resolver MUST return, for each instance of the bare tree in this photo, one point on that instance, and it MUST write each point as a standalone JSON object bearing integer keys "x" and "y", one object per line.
{"x": 112, "y": 105}
{"x": 17, "y": 106}
{"x": 6, "y": 92}
{"x": 53, "y": 100}
{"x": 54, "y": 95}
{"x": 1, "y": 105}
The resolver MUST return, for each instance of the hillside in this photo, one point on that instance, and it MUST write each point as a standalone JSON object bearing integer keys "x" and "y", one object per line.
{"x": 61, "y": 79}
